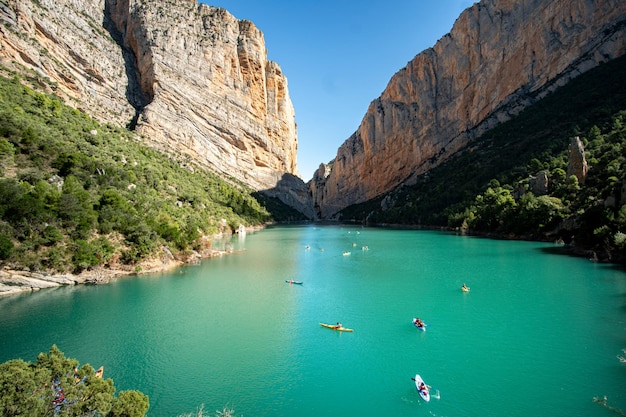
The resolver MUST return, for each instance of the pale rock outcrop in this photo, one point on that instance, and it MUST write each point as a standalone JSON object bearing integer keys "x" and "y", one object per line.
{"x": 18, "y": 281}
{"x": 576, "y": 160}
{"x": 194, "y": 80}
{"x": 500, "y": 57}
{"x": 12, "y": 281}
{"x": 539, "y": 184}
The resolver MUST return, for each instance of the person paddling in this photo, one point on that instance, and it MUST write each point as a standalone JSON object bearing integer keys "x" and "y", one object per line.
{"x": 423, "y": 388}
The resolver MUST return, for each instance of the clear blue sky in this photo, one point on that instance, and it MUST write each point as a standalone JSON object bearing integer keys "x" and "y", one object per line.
{"x": 339, "y": 55}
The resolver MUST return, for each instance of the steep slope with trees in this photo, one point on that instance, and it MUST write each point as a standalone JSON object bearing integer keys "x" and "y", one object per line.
{"x": 76, "y": 194}
{"x": 488, "y": 188}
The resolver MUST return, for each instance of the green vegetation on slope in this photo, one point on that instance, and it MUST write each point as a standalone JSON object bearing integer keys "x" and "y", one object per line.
{"x": 55, "y": 386}
{"x": 485, "y": 188}
{"x": 75, "y": 194}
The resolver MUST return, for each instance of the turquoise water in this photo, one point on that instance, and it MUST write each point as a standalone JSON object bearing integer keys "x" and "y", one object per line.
{"x": 537, "y": 335}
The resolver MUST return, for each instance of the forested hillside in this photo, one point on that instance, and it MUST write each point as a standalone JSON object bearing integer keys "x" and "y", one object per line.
{"x": 486, "y": 188}
{"x": 75, "y": 194}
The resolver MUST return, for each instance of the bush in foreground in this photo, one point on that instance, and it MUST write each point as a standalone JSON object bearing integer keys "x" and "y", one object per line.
{"x": 55, "y": 386}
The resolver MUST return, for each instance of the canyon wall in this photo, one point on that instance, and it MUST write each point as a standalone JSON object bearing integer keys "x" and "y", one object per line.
{"x": 500, "y": 57}
{"x": 191, "y": 79}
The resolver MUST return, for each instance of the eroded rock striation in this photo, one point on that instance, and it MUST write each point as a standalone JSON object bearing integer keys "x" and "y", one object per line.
{"x": 500, "y": 57}
{"x": 192, "y": 79}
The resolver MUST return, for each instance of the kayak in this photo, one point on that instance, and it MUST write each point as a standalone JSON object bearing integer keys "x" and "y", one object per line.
{"x": 425, "y": 391}
{"x": 334, "y": 327}
{"x": 290, "y": 281}
{"x": 422, "y": 328}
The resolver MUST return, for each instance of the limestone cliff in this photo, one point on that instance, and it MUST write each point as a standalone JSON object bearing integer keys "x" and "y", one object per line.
{"x": 192, "y": 79}
{"x": 500, "y": 57}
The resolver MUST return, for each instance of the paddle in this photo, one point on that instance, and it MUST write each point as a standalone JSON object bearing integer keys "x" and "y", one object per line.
{"x": 428, "y": 386}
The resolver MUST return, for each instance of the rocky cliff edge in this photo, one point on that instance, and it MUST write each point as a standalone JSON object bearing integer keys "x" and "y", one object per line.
{"x": 192, "y": 79}
{"x": 500, "y": 57}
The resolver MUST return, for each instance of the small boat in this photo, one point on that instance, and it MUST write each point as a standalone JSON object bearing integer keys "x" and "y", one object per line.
{"x": 422, "y": 388}
{"x": 335, "y": 327}
{"x": 422, "y": 328}
{"x": 291, "y": 281}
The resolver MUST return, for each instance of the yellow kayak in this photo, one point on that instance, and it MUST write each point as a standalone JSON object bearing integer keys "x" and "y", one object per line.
{"x": 335, "y": 327}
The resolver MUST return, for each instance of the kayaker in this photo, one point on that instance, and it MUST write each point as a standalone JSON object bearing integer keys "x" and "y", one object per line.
{"x": 423, "y": 388}
{"x": 419, "y": 322}
{"x": 464, "y": 287}
{"x": 338, "y": 325}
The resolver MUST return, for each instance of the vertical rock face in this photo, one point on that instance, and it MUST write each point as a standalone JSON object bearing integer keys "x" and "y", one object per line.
{"x": 577, "y": 163}
{"x": 539, "y": 184}
{"x": 212, "y": 93}
{"x": 317, "y": 186}
{"x": 65, "y": 43}
{"x": 192, "y": 79}
{"x": 500, "y": 57}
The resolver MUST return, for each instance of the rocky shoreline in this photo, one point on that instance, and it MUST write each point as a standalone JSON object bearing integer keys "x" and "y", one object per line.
{"x": 15, "y": 281}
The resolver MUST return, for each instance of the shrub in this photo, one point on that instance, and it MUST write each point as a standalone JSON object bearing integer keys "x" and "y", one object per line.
{"x": 55, "y": 385}
{"x": 6, "y": 246}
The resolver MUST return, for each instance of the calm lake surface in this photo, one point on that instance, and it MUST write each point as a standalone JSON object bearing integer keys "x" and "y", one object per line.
{"x": 538, "y": 334}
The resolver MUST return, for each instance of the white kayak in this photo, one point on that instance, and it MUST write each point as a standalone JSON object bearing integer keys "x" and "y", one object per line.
{"x": 422, "y": 388}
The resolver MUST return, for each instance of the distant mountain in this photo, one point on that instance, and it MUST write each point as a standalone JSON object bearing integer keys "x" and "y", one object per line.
{"x": 500, "y": 57}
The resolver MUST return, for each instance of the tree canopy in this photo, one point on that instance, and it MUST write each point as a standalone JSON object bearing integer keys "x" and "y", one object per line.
{"x": 56, "y": 386}
{"x": 487, "y": 187}
{"x": 76, "y": 194}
